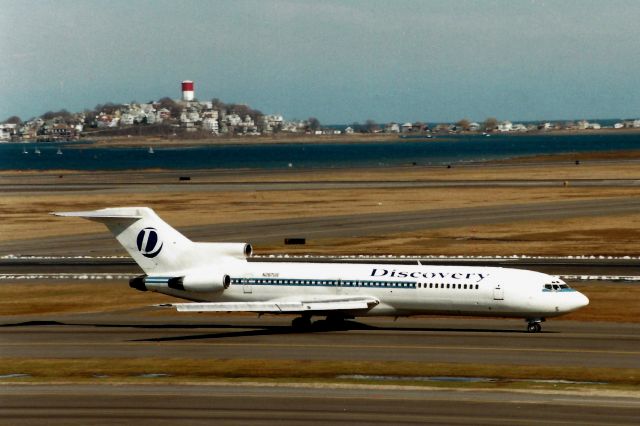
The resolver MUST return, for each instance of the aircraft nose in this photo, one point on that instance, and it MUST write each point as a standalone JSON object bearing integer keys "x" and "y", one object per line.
{"x": 580, "y": 301}
{"x": 583, "y": 300}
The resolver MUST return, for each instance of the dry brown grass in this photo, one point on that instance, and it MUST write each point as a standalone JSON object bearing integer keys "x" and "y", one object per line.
{"x": 609, "y": 235}
{"x": 42, "y": 369}
{"x": 74, "y": 297}
{"x": 279, "y": 138}
{"x": 613, "y": 303}
{"x": 26, "y": 216}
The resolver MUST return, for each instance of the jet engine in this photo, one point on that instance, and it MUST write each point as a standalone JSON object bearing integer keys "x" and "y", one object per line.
{"x": 236, "y": 250}
{"x": 202, "y": 283}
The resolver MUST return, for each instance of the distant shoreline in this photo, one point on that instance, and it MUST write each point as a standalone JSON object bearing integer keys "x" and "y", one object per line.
{"x": 285, "y": 138}
{"x": 242, "y": 140}
{"x": 137, "y": 141}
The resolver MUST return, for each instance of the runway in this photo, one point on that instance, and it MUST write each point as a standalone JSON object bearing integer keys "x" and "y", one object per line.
{"x": 428, "y": 340}
{"x": 354, "y": 225}
{"x": 310, "y": 405}
{"x": 433, "y": 340}
{"x": 45, "y": 266}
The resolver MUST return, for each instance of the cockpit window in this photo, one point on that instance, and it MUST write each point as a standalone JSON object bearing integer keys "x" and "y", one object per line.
{"x": 557, "y": 286}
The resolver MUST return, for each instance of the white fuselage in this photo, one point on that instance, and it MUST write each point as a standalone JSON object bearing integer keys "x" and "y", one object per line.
{"x": 402, "y": 290}
{"x": 219, "y": 277}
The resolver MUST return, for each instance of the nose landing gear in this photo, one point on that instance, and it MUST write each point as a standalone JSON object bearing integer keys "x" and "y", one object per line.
{"x": 533, "y": 325}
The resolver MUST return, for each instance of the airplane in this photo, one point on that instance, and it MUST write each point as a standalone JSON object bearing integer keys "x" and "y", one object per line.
{"x": 219, "y": 277}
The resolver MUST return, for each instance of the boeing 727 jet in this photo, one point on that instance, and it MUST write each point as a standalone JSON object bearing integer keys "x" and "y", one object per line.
{"x": 218, "y": 277}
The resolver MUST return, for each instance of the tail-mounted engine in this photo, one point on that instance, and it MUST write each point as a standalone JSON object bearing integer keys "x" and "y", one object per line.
{"x": 240, "y": 251}
{"x": 201, "y": 283}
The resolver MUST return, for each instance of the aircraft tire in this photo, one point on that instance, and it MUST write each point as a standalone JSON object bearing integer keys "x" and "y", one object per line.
{"x": 534, "y": 327}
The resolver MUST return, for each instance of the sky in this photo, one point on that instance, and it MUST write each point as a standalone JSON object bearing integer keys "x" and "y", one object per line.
{"x": 340, "y": 61}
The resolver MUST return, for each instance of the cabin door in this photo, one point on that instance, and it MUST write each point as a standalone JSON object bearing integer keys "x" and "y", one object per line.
{"x": 246, "y": 284}
{"x": 498, "y": 292}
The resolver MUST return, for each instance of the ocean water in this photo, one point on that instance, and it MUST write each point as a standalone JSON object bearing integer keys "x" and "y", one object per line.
{"x": 455, "y": 149}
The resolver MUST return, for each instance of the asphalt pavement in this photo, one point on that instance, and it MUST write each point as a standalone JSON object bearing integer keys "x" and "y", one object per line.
{"x": 235, "y": 404}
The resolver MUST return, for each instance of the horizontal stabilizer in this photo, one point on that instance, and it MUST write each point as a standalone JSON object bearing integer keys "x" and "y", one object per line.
{"x": 110, "y": 213}
{"x": 280, "y": 306}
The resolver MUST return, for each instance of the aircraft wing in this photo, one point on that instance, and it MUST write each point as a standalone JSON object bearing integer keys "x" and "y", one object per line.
{"x": 281, "y": 306}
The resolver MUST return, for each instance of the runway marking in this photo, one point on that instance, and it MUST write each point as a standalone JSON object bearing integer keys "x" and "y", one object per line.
{"x": 332, "y": 346}
{"x": 402, "y": 393}
{"x": 68, "y": 276}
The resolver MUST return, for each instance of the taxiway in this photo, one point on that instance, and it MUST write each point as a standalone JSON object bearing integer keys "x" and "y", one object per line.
{"x": 433, "y": 340}
{"x": 284, "y": 404}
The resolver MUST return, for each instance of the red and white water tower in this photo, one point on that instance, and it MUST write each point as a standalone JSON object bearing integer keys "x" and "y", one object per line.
{"x": 187, "y": 90}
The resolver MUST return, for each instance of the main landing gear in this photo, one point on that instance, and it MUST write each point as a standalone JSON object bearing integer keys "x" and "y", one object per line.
{"x": 332, "y": 322}
{"x": 302, "y": 323}
{"x": 533, "y": 325}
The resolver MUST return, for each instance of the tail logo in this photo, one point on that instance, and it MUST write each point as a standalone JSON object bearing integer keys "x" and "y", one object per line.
{"x": 148, "y": 242}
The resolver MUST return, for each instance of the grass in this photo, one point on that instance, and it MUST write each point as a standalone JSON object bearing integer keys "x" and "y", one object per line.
{"x": 63, "y": 298}
{"x": 185, "y": 369}
{"x": 615, "y": 235}
{"x": 25, "y": 216}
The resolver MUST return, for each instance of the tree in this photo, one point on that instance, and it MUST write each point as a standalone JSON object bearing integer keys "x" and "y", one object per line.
{"x": 90, "y": 117}
{"x": 371, "y": 126}
{"x": 171, "y": 105}
{"x": 463, "y": 124}
{"x": 490, "y": 124}
{"x": 63, "y": 115}
{"x": 108, "y": 108}
{"x": 48, "y": 115}
{"x": 419, "y": 126}
{"x": 313, "y": 123}
{"x": 14, "y": 119}
{"x": 217, "y": 104}
{"x": 165, "y": 102}
{"x": 241, "y": 110}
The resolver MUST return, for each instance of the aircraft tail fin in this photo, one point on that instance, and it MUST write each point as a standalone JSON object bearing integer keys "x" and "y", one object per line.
{"x": 151, "y": 242}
